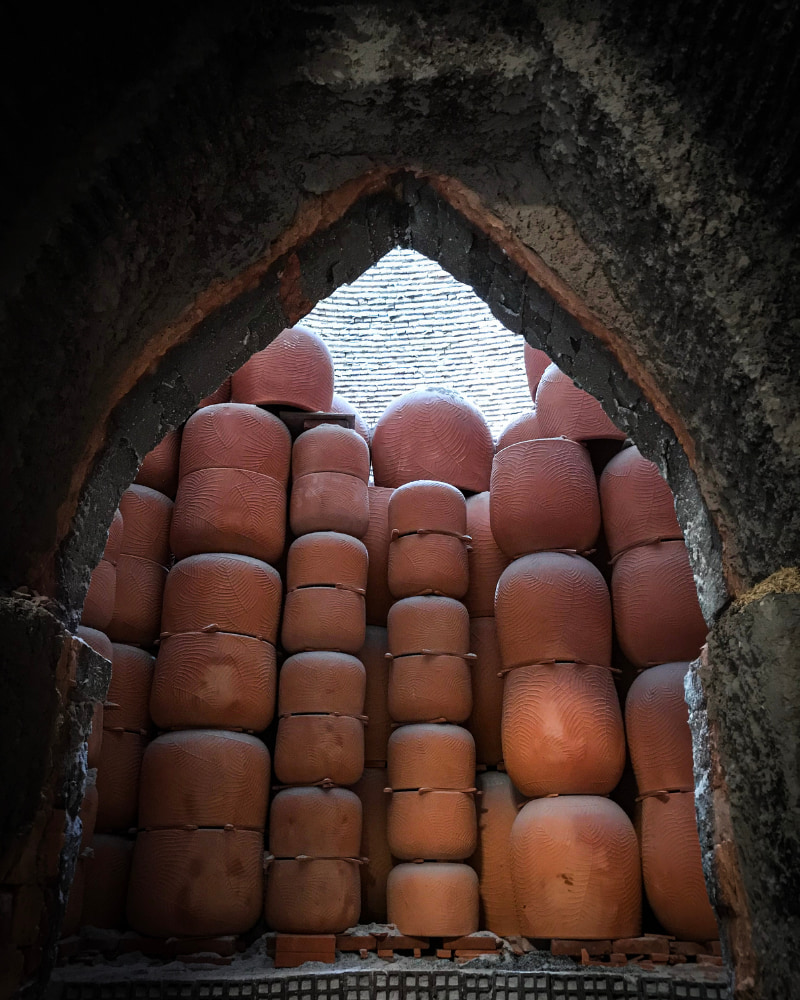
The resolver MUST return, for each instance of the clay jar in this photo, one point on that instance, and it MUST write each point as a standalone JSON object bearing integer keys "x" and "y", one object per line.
{"x": 562, "y": 730}
{"x": 553, "y": 606}
{"x": 575, "y": 869}
{"x": 196, "y": 883}
{"x": 432, "y": 434}
{"x": 379, "y": 727}
{"x": 325, "y": 580}
{"x": 498, "y": 805}
{"x": 98, "y": 607}
{"x": 376, "y": 540}
{"x": 127, "y": 704}
{"x": 314, "y": 896}
{"x": 118, "y": 780}
{"x": 657, "y": 616}
{"x": 236, "y": 436}
{"x": 106, "y": 885}
{"x": 159, "y": 470}
{"x": 374, "y": 843}
{"x": 637, "y": 503}
{"x": 330, "y": 470}
{"x": 486, "y": 560}
{"x": 146, "y": 519}
{"x": 543, "y": 496}
{"x": 322, "y": 681}
{"x": 424, "y": 755}
{"x": 433, "y": 900}
{"x": 295, "y": 370}
{"x": 204, "y": 778}
{"x": 428, "y": 554}
{"x": 487, "y": 691}
{"x": 657, "y": 723}
{"x": 340, "y": 405}
{"x": 564, "y": 409}
{"x": 222, "y": 394}
{"x": 524, "y": 428}
{"x": 672, "y": 867}
{"x": 536, "y": 364}
{"x": 315, "y": 822}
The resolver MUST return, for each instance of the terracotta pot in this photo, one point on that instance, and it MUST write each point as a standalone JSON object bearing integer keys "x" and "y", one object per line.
{"x": 553, "y": 606}
{"x": 128, "y": 699}
{"x": 236, "y": 593}
{"x": 657, "y": 616}
{"x": 498, "y": 805}
{"x": 159, "y": 470}
{"x": 486, "y": 560}
{"x": 376, "y": 540}
{"x": 657, "y": 723}
{"x": 564, "y": 409}
{"x": 432, "y": 825}
{"x": 236, "y": 436}
{"x": 487, "y": 691}
{"x": 71, "y": 923}
{"x": 672, "y": 867}
{"x": 433, "y": 563}
{"x": 137, "y": 602}
{"x": 536, "y": 364}
{"x": 312, "y": 748}
{"x": 431, "y": 756}
{"x": 215, "y": 680}
{"x": 295, "y": 370}
{"x": 374, "y": 843}
{"x": 322, "y": 682}
{"x": 562, "y": 730}
{"x": 88, "y": 810}
{"x": 94, "y": 741}
{"x": 432, "y": 434}
{"x": 323, "y": 618}
{"x": 339, "y": 405}
{"x": 544, "y": 496}
{"x": 433, "y": 899}
{"x": 205, "y": 778}
{"x": 222, "y": 394}
{"x": 376, "y": 700}
{"x": 315, "y": 822}
{"x": 637, "y": 503}
{"x": 330, "y": 448}
{"x": 575, "y": 868}
{"x": 427, "y": 505}
{"x": 420, "y": 623}
{"x": 426, "y": 687}
{"x": 118, "y": 780}
{"x": 108, "y": 870}
{"x": 329, "y": 501}
{"x": 312, "y": 897}
{"x": 229, "y": 510}
{"x": 196, "y": 883}
{"x": 116, "y": 531}
{"x": 98, "y": 640}
{"x": 524, "y": 428}
{"x": 327, "y": 558}
{"x": 146, "y": 518}
{"x": 98, "y": 606}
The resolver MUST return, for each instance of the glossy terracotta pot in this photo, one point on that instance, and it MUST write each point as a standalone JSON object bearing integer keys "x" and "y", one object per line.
{"x": 376, "y": 540}
{"x": 222, "y": 394}
{"x": 146, "y": 518}
{"x": 71, "y": 923}
{"x": 424, "y": 564}
{"x": 431, "y": 756}
{"x": 672, "y": 867}
{"x": 376, "y": 705}
{"x": 295, "y": 370}
{"x": 205, "y": 778}
{"x": 319, "y": 618}
{"x": 340, "y": 405}
{"x": 553, "y": 606}
{"x": 524, "y": 428}
{"x": 498, "y": 805}
{"x": 98, "y": 640}
{"x": 536, "y": 364}
{"x": 137, "y": 601}
{"x": 544, "y": 496}
{"x": 564, "y": 409}
{"x": 329, "y": 501}
{"x": 105, "y": 893}
{"x": 322, "y": 681}
{"x": 88, "y": 810}
{"x": 575, "y": 868}
{"x": 432, "y": 825}
{"x": 433, "y": 623}
{"x": 196, "y": 883}
{"x": 330, "y": 448}
{"x": 657, "y": 724}
{"x": 429, "y": 506}
{"x": 312, "y": 748}
{"x": 116, "y": 531}
{"x": 657, "y": 616}
{"x": 433, "y": 899}
{"x": 425, "y": 687}
{"x": 486, "y": 560}
{"x": 159, "y": 470}
{"x": 215, "y": 680}
{"x": 637, "y": 503}
{"x": 94, "y": 741}
{"x": 432, "y": 434}
{"x": 236, "y": 436}
{"x": 229, "y": 510}
{"x": 562, "y": 730}
{"x": 98, "y": 607}
{"x": 374, "y": 843}
{"x": 128, "y": 700}
{"x": 233, "y": 592}
{"x": 312, "y": 897}
{"x": 487, "y": 691}
{"x": 315, "y": 822}
{"x": 327, "y": 558}
{"x": 118, "y": 781}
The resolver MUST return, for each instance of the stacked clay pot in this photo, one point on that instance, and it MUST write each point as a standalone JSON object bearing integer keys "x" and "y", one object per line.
{"x": 98, "y": 607}
{"x": 160, "y": 468}
{"x": 340, "y": 405}
{"x": 562, "y": 409}
{"x": 295, "y": 370}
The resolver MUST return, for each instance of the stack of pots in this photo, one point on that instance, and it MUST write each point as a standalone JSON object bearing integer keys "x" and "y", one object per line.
{"x": 562, "y": 733}
{"x": 562, "y": 409}
{"x": 660, "y": 628}
{"x": 313, "y": 882}
{"x": 431, "y": 759}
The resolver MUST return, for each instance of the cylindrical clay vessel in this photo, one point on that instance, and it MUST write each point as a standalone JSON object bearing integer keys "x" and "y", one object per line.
{"x": 106, "y": 888}
{"x": 159, "y": 469}
{"x": 433, "y": 899}
{"x": 315, "y": 822}
{"x": 295, "y": 370}
{"x": 379, "y": 727}
{"x": 376, "y": 540}
{"x": 564, "y": 409}
{"x": 487, "y": 691}
{"x": 486, "y": 560}
{"x": 330, "y": 471}
{"x": 374, "y": 843}
{"x": 657, "y": 724}
{"x": 498, "y": 805}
